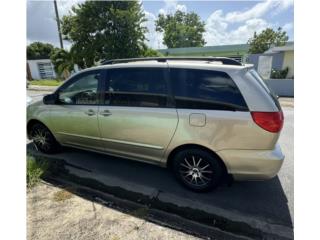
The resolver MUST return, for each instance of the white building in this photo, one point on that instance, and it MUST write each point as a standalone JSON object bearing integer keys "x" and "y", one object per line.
{"x": 287, "y": 56}
{"x": 41, "y": 69}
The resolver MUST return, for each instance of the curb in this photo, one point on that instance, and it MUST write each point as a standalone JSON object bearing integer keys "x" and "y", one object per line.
{"x": 152, "y": 214}
{"x": 287, "y": 104}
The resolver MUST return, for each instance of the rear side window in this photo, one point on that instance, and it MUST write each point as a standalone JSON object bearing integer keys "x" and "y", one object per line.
{"x": 136, "y": 87}
{"x": 205, "y": 89}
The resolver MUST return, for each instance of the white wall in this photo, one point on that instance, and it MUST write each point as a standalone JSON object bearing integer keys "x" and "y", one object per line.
{"x": 288, "y": 61}
{"x": 33, "y": 65}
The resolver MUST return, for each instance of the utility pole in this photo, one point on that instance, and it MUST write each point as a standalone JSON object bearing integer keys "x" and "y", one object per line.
{"x": 58, "y": 22}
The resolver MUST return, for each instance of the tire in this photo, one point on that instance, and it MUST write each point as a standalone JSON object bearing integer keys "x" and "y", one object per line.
{"x": 198, "y": 170}
{"x": 43, "y": 139}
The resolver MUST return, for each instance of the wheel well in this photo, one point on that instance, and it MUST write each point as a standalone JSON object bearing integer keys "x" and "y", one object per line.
{"x": 194, "y": 146}
{"x": 31, "y": 123}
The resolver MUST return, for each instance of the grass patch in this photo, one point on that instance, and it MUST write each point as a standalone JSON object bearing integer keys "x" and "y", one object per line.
{"x": 35, "y": 170}
{"x": 62, "y": 195}
{"x": 46, "y": 82}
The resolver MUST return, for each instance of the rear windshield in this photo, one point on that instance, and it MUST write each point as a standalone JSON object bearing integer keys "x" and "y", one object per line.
{"x": 259, "y": 79}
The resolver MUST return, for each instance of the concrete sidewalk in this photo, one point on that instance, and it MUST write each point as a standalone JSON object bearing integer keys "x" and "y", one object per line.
{"x": 42, "y": 88}
{"x": 286, "y": 102}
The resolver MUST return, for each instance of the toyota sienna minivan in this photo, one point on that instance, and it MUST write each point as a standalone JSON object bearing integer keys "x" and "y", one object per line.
{"x": 201, "y": 117}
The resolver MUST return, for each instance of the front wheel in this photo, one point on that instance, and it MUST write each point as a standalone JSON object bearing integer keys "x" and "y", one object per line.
{"x": 43, "y": 139}
{"x": 197, "y": 169}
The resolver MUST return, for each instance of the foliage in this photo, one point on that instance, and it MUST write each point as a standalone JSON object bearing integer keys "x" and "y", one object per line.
{"x": 102, "y": 30}
{"x": 35, "y": 170}
{"x": 149, "y": 52}
{"x": 268, "y": 37}
{"x": 181, "y": 29}
{"x": 63, "y": 61}
{"x": 279, "y": 74}
{"x": 39, "y": 50}
{"x": 46, "y": 82}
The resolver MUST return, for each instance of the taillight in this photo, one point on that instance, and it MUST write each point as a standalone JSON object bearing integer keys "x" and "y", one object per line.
{"x": 270, "y": 121}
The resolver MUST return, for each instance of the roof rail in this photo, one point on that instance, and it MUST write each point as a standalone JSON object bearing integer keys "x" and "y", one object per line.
{"x": 223, "y": 60}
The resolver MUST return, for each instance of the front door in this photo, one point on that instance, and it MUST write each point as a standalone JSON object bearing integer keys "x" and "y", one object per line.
{"x": 136, "y": 119}
{"x": 74, "y": 117}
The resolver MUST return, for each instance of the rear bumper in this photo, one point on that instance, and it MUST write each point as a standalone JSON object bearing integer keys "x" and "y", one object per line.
{"x": 252, "y": 164}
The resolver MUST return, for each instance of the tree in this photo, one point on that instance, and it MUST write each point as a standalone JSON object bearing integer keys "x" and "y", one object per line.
{"x": 62, "y": 61}
{"x": 39, "y": 50}
{"x": 102, "y": 30}
{"x": 149, "y": 52}
{"x": 181, "y": 29}
{"x": 268, "y": 37}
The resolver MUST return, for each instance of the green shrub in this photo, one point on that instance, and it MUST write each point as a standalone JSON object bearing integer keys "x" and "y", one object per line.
{"x": 35, "y": 170}
{"x": 46, "y": 82}
{"x": 279, "y": 74}
{"x": 149, "y": 52}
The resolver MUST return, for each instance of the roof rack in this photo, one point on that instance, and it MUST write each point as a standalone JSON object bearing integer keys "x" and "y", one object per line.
{"x": 223, "y": 60}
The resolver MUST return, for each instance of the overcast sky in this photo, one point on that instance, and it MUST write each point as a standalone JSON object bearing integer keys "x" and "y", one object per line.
{"x": 226, "y": 22}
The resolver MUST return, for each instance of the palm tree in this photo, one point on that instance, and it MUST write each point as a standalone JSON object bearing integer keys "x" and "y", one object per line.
{"x": 63, "y": 62}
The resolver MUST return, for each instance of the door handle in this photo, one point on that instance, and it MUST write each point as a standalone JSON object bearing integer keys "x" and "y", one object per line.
{"x": 90, "y": 112}
{"x": 105, "y": 113}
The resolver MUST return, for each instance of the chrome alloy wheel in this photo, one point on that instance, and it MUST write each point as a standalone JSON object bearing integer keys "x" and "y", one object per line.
{"x": 196, "y": 171}
{"x": 41, "y": 138}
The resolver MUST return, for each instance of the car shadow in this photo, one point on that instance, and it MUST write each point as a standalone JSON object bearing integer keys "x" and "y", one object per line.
{"x": 263, "y": 200}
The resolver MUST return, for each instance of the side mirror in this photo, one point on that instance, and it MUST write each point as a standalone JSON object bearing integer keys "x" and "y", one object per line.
{"x": 50, "y": 99}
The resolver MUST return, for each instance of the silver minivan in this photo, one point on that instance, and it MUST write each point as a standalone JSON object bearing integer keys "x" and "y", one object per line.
{"x": 201, "y": 117}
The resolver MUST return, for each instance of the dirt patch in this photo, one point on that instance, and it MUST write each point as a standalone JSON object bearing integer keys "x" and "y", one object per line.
{"x": 77, "y": 218}
{"x": 62, "y": 195}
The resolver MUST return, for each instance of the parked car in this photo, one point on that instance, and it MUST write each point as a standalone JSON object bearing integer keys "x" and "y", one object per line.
{"x": 201, "y": 117}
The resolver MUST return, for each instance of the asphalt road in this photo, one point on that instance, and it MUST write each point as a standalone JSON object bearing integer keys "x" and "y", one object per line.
{"x": 267, "y": 201}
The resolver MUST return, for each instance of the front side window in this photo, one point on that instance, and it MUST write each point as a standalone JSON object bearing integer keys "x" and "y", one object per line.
{"x": 205, "y": 89}
{"x": 136, "y": 87}
{"x": 83, "y": 91}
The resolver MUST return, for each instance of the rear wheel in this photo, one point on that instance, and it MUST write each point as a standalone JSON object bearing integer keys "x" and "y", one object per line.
{"x": 43, "y": 139}
{"x": 197, "y": 169}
